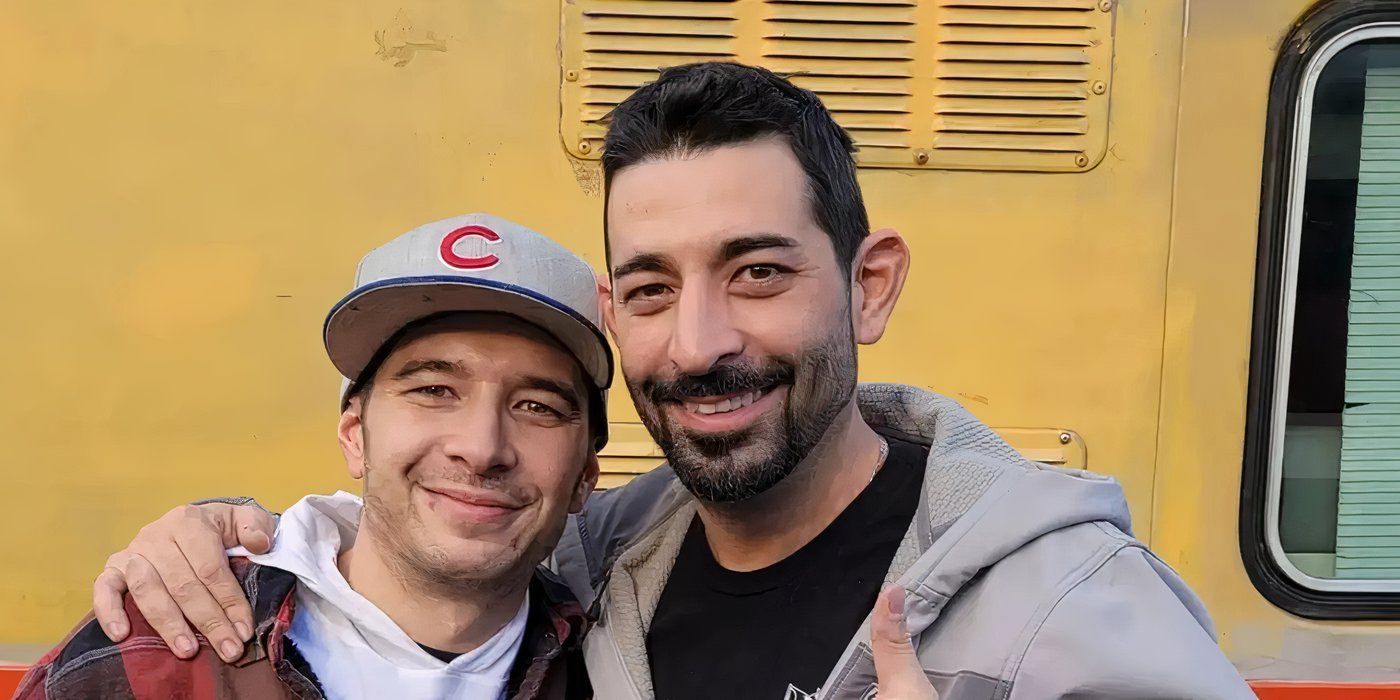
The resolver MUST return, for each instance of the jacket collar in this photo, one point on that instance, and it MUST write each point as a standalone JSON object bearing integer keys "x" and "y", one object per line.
{"x": 965, "y": 458}
{"x": 554, "y": 627}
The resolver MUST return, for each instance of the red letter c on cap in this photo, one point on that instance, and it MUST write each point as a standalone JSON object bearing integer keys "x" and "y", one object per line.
{"x": 452, "y": 258}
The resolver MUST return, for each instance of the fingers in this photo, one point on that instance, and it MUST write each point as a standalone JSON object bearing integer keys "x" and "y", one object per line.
{"x": 107, "y": 607}
{"x": 166, "y": 588}
{"x": 204, "y": 548}
{"x": 251, "y": 527}
{"x": 210, "y": 597}
{"x": 899, "y": 674}
{"x": 176, "y": 567}
{"x": 151, "y": 597}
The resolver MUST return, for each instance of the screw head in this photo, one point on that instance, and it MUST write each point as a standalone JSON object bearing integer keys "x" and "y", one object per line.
{"x": 1066, "y": 438}
{"x": 1105, "y": 5}
{"x": 1099, "y": 87}
{"x": 584, "y": 147}
{"x": 571, "y": 75}
{"x": 921, "y": 157}
{"x": 1081, "y": 160}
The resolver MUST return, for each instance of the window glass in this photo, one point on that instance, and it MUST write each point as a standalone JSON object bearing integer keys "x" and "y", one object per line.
{"x": 1339, "y": 514}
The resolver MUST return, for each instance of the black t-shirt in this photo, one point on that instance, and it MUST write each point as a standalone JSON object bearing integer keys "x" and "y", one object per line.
{"x": 736, "y": 635}
{"x": 446, "y": 657}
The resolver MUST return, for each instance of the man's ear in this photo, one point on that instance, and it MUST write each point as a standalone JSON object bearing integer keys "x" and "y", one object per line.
{"x": 877, "y": 277}
{"x": 352, "y": 437}
{"x": 605, "y": 303}
{"x": 586, "y": 483}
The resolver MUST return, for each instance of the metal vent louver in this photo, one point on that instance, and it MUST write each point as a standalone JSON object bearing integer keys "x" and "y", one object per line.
{"x": 957, "y": 84}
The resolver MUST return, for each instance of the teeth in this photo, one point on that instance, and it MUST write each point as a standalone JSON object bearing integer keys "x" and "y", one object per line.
{"x": 725, "y": 406}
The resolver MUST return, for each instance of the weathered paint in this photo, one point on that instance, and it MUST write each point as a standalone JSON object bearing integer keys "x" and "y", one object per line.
{"x": 1218, "y": 166}
{"x": 187, "y": 187}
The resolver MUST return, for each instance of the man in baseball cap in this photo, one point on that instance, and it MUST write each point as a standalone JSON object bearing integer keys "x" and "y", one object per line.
{"x": 472, "y": 410}
{"x": 476, "y": 262}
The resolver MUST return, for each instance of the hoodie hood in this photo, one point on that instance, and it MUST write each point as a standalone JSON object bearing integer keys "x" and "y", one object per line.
{"x": 982, "y": 500}
{"x": 1021, "y": 579}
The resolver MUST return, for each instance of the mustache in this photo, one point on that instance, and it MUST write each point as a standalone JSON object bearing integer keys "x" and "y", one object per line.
{"x": 462, "y": 480}
{"x": 736, "y": 378}
{"x": 456, "y": 479}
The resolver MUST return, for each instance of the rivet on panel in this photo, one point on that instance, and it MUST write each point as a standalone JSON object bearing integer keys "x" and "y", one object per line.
{"x": 1099, "y": 87}
{"x": 584, "y": 147}
{"x": 921, "y": 157}
{"x": 571, "y": 75}
{"x": 1081, "y": 160}
{"x": 1105, "y": 5}
{"x": 1065, "y": 438}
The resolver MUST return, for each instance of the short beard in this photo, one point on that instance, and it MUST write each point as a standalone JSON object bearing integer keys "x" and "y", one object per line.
{"x": 738, "y": 465}
{"x": 418, "y": 567}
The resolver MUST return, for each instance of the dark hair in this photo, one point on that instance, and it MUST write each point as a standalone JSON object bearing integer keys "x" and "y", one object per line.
{"x": 700, "y": 106}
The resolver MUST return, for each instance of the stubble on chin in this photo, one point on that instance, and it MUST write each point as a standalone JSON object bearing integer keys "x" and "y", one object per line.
{"x": 400, "y": 537}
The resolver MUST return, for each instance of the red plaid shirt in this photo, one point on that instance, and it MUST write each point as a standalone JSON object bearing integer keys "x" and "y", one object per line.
{"x": 89, "y": 665}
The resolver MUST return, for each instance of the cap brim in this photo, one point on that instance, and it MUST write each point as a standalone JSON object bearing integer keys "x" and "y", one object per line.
{"x": 362, "y": 322}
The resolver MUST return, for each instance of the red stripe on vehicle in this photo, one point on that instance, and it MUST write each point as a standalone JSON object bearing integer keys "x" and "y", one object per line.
{"x": 9, "y": 679}
{"x": 1301, "y": 690}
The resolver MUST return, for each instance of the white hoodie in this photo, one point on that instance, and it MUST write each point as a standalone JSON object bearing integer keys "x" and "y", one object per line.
{"x": 354, "y": 649}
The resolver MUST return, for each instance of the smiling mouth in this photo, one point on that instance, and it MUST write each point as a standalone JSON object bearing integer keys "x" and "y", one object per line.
{"x": 711, "y": 405}
{"x": 475, "y": 498}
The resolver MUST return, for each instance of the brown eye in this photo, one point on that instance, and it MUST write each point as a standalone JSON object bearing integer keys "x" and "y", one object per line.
{"x": 539, "y": 408}
{"x": 647, "y": 299}
{"x": 543, "y": 412}
{"x": 648, "y": 291}
{"x": 436, "y": 391}
{"x": 759, "y": 274}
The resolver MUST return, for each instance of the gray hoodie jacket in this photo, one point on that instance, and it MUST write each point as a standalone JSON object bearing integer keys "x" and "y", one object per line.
{"x": 1023, "y": 581}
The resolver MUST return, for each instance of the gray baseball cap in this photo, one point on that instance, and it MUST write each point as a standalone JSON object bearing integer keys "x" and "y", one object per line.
{"x": 475, "y": 262}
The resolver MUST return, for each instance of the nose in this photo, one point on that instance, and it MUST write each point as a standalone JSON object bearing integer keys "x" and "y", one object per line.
{"x": 703, "y": 334}
{"x": 479, "y": 438}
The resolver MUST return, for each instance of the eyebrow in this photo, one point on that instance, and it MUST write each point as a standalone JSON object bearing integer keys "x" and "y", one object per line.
{"x": 642, "y": 262}
{"x": 563, "y": 390}
{"x": 558, "y": 388}
{"x": 651, "y": 262}
{"x": 413, "y": 367}
{"x": 735, "y": 247}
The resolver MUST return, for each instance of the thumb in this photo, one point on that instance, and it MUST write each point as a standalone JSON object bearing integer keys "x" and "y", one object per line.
{"x": 249, "y": 526}
{"x": 899, "y": 675}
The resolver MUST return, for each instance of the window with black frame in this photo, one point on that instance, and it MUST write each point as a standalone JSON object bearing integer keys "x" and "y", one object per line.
{"x": 1334, "y": 453}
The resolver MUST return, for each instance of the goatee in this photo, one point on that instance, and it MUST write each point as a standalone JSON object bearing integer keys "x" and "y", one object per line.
{"x": 737, "y": 465}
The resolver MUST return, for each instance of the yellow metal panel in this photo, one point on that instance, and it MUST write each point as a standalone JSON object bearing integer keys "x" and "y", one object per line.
{"x": 185, "y": 190}
{"x": 631, "y": 452}
{"x": 629, "y": 440}
{"x": 1058, "y": 446}
{"x": 1219, "y": 156}
{"x": 939, "y": 84}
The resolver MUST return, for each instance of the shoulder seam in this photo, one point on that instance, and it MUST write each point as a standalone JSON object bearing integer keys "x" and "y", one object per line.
{"x": 90, "y": 658}
{"x": 584, "y": 543}
{"x": 1086, "y": 570}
